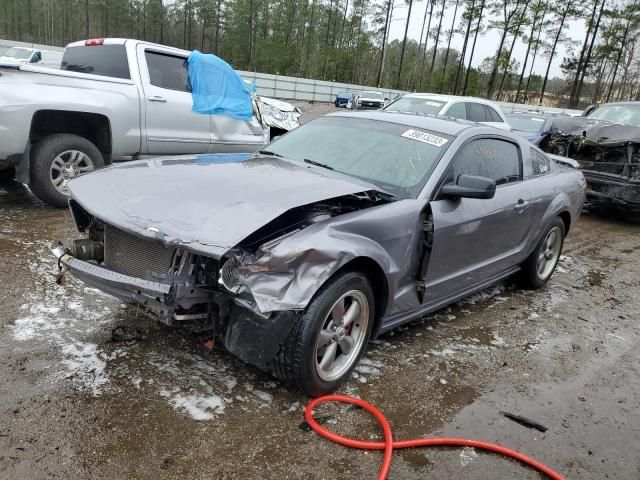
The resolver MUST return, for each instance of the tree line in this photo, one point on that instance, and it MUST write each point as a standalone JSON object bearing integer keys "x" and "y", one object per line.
{"x": 348, "y": 40}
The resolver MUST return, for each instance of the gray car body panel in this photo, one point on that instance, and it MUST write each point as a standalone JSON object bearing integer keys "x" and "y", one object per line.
{"x": 213, "y": 205}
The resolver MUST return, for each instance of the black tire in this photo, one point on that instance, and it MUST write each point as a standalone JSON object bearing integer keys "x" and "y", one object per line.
{"x": 530, "y": 274}
{"x": 42, "y": 157}
{"x": 295, "y": 364}
{"x": 7, "y": 174}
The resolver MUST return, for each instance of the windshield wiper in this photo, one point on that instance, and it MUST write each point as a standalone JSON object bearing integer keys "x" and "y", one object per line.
{"x": 269, "y": 152}
{"x": 318, "y": 164}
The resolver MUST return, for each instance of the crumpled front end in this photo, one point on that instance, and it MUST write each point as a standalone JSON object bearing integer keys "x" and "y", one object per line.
{"x": 277, "y": 114}
{"x": 249, "y": 296}
{"x": 609, "y": 156}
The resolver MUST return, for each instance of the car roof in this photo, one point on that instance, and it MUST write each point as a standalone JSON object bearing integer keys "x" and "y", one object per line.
{"x": 447, "y": 126}
{"x": 620, "y": 103}
{"x": 124, "y": 41}
{"x": 528, "y": 114}
{"x": 449, "y": 98}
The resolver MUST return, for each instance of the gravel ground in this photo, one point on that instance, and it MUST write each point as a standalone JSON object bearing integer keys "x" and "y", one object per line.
{"x": 79, "y": 404}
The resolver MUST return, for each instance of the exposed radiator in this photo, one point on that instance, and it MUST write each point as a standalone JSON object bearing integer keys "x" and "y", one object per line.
{"x": 134, "y": 256}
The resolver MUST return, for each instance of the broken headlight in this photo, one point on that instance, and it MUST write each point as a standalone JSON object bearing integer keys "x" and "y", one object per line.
{"x": 230, "y": 275}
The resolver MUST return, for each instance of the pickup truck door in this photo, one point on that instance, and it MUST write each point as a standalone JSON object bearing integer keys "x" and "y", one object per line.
{"x": 476, "y": 239}
{"x": 231, "y": 135}
{"x": 171, "y": 127}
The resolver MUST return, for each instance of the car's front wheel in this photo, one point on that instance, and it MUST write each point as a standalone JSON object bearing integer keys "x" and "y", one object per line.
{"x": 329, "y": 338}
{"x": 541, "y": 264}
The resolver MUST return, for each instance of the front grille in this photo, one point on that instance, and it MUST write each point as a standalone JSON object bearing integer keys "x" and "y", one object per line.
{"x": 135, "y": 256}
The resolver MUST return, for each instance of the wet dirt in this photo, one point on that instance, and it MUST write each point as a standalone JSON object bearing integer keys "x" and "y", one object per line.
{"x": 77, "y": 403}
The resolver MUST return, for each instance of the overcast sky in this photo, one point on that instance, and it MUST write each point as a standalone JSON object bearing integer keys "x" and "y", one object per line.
{"x": 487, "y": 43}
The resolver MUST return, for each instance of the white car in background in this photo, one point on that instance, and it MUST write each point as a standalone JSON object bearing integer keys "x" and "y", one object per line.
{"x": 466, "y": 108}
{"x": 21, "y": 55}
{"x": 33, "y": 56}
{"x": 370, "y": 99}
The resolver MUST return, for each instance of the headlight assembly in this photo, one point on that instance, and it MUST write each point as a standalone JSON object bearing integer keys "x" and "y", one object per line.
{"x": 230, "y": 275}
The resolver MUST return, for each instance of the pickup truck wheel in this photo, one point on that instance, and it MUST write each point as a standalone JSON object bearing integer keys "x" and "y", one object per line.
{"x": 55, "y": 160}
{"x": 329, "y": 338}
{"x": 538, "y": 268}
{"x": 7, "y": 174}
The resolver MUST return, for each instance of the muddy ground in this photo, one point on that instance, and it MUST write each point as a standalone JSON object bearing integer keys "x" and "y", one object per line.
{"x": 76, "y": 404}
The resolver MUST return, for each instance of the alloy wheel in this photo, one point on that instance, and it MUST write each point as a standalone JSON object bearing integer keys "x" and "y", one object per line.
{"x": 67, "y": 165}
{"x": 549, "y": 253}
{"x": 342, "y": 335}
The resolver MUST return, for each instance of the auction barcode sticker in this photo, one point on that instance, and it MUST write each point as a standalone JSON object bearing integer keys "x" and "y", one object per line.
{"x": 425, "y": 137}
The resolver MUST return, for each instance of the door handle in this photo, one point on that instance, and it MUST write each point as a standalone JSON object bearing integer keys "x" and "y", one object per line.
{"x": 521, "y": 206}
{"x": 157, "y": 98}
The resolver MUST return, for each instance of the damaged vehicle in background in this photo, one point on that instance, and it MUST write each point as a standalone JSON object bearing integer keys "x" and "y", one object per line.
{"x": 280, "y": 116}
{"x": 345, "y": 228}
{"x": 533, "y": 126}
{"x": 606, "y": 144}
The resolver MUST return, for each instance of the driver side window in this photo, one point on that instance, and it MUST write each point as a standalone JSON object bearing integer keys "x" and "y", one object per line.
{"x": 490, "y": 158}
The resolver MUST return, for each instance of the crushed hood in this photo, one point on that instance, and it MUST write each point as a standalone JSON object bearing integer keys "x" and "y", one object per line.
{"x": 596, "y": 131}
{"x": 208, "y": 203}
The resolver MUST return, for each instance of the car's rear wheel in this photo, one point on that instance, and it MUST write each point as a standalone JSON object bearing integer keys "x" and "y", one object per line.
{"x": 541, "y": 264}
{"x": 328, "y": 340}
{"x": 55, "y": 160}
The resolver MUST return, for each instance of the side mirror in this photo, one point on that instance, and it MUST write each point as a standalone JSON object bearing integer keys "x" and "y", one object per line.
{"x": 386, "y": 99}
{"x": 469, "y": 186}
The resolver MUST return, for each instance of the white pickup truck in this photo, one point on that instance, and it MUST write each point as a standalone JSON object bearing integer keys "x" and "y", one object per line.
{"x": 111, "y": 100}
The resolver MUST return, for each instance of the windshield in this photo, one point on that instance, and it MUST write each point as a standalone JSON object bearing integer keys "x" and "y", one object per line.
{"x": 377, "y": 95}
{"x": 627, "y": 114}
{"x": 19, "y": 53}
{"x": 416, "y": 105}
{"x": 526, "y": 124}
{"x": 396, "y": 158}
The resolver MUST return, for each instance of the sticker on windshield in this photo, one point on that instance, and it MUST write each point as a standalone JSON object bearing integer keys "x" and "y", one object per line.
{"x": 433, "y": 104}
{"x": 425, "y": 137}
{"x": 537, "y": 119}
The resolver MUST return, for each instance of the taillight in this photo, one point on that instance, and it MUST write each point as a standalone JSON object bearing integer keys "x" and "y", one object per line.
{"x": 94, "y": 41}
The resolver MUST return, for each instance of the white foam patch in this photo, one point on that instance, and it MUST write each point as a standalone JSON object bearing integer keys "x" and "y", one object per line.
{"x": 86, "y": 364}
{"x": 198, "y": 407}
{"x": 445, "y": 352}
{"x": 488, "y": 293}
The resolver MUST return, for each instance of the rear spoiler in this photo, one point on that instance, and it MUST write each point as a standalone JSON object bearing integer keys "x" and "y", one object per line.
{"x": 565, "y": 161}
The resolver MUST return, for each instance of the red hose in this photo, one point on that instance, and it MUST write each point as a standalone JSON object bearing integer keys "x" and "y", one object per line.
{"x": 389, "y": 444}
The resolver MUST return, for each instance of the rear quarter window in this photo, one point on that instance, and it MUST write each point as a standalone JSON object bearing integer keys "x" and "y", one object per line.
{"x": 492, "y": 115}
{"x": 457, "y": 110}
{"x": 540, "y": 164}
{"x": 105, "y": 60}
{"x": 476, "y": 112}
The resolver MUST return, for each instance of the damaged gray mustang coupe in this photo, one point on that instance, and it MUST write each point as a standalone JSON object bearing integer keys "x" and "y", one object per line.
{"x": 349, "y": 226}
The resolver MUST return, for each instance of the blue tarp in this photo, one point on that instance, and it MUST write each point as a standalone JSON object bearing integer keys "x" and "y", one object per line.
{"x": 216, "y": 88}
